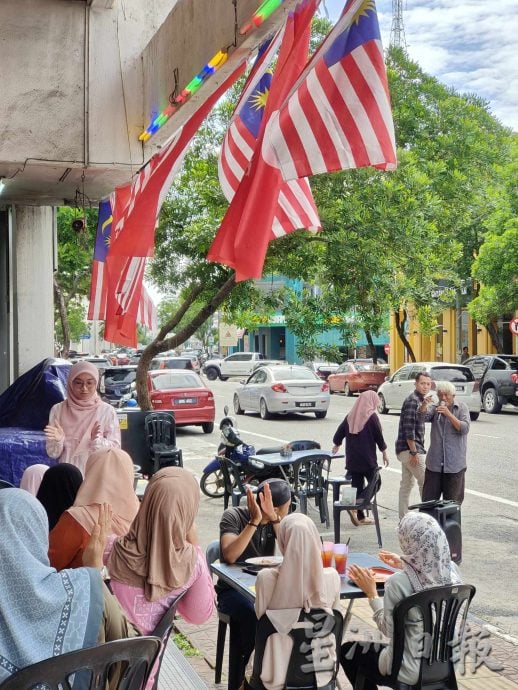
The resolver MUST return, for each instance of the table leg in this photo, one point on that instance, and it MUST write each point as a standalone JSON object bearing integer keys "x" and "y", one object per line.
{"x": 348, "y": 614}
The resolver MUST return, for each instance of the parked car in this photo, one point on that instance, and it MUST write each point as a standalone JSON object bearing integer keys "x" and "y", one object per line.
{"x": 497, "y": 377}
{"x": 102, "y": 363}
{"x": 281, "y": 390}
{"x": 356, "y": 376}
{"x": 395, "y": 389}
{"x": 186, "y": 394}
{"x": 236, "y": 364}
{"x": 322, "y": 369}
{"x": 175, "y": 363}
{"x": 118, "y": 382}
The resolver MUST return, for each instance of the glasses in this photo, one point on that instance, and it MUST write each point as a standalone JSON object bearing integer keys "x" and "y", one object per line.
{"x": 77, "y": 383}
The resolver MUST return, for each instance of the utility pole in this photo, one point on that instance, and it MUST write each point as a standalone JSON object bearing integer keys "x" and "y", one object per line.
{"x": 397, "y": 31}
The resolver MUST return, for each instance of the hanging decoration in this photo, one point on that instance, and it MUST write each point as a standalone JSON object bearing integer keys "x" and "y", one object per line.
{"x": 265, "y": 10}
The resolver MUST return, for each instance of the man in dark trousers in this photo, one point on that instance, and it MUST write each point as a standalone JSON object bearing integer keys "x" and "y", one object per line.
{"x": 410, "y": 441}
{"x": 246, "y": 533}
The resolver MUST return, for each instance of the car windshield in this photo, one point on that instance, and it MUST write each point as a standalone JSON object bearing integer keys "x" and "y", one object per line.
{"x": 120, "y": 376}
{"x": 453, "y": 374}
{"x": 168, "y": 381}
{"x": 292, "y": 374}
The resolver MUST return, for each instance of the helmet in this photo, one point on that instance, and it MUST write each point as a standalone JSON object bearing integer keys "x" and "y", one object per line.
{"x": 226, "y": 421}
{"x": 131, "y": 403}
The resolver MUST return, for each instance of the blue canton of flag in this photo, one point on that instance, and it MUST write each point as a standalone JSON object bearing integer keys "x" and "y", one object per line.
{"x": 104, "y": 229}
{"x": 364, "y": 28}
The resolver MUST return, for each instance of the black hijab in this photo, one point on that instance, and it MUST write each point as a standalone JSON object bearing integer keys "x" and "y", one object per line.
{"x": 58, "y": 490}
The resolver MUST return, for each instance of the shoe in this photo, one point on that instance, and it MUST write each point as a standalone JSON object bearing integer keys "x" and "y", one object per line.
{"x": 366, "y": 521}
{"x": 354, "y": 517}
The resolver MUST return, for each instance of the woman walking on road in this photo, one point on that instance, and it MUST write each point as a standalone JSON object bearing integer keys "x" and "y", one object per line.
{"x": 362, "y": 432}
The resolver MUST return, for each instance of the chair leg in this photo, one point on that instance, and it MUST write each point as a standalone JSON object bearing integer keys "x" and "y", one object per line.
{"x": 220, "y": 648}
{"x": 324, "y": 508}
{"x": 303, "y": 502}
{"x": 336, "y": 523}
{"x": 225, "y": 500}
{"x": 377, "y": 521}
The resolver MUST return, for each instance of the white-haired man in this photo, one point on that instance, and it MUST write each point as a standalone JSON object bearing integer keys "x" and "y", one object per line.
{"x": 446, "y": 457}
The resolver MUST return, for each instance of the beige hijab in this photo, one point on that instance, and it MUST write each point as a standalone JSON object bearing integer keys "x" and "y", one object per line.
{"x": 364, "y": 407}
{"x": 108, "y": 479}
{"x": 155, "y": 554}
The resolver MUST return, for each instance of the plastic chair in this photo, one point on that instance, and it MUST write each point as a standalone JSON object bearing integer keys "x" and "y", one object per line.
{"x": 440, "y": 608}
{"x": 5, "y": 484}
{"x": 303, "y": 661}
{"x": 91, "y": 667}
{"x": 233, "y": 482}
{"x": 305, "y": 445}
{"x": 311, "y": 483}
{"x": 161, "y": 435}
{"x": 367, "y": 501}
{"x": 163, "y": 630}
{"x": 212, "y": 554}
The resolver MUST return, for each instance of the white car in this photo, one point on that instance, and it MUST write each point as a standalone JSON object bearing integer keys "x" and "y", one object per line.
{"x": 397, "y": 387}
{"x": 236, "y": 364}
{"x": 282, "y": 389}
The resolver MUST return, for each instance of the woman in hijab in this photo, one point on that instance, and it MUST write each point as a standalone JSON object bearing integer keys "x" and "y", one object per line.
{"x": 425, "y": 562}
{"x": 58, "y": 490}
{"x": 160, "y": 556}
{"x": 31, "y": 478}
{"x": 34, "y": 597}
{"x": 300, "y": 582}
{"x": 108, "y": 479}
{"x": 82, "y": 423}
{"x": 362, "y": 432}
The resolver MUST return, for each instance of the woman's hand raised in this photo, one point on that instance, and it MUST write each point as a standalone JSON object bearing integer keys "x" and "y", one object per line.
{"x": 390, "y": 558}
{"x": 54, "y": 432}
{"x": 93, "y": 553}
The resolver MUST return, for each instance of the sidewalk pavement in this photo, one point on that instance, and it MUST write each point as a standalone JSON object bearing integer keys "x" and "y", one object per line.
{"x": 495, "y": 658}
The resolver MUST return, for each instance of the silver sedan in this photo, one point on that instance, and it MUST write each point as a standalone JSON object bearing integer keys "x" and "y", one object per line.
{"x": 281, "y": 390}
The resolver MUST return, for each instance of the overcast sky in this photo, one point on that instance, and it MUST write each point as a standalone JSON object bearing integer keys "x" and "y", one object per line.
{"x": 468, "y": 44}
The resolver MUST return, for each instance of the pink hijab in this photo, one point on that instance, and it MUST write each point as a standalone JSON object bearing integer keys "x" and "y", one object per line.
{"x": 31, "y": 478}
{"x": 108, "y": 479}
{"x": 362, "y": 410}
{"x": 78, "y": 416}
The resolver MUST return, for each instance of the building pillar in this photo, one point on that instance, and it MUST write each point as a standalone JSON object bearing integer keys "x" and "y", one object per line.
{"x": 33, "y": 293}
{"x": 449, "y": 341}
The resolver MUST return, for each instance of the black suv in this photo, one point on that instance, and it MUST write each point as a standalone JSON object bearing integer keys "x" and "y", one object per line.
{"x": 498, "y": 379}
{"x": 116, "y": 382}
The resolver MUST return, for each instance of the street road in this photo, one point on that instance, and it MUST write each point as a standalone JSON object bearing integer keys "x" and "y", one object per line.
{"x": 489, "y": 512}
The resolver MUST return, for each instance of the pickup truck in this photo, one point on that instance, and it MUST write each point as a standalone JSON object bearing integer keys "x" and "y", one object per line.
{"x": 497, "y": 376}
{"x": 237, "y": 364}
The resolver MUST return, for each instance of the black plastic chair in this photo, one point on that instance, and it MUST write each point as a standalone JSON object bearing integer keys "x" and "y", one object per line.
{"x": 302, "y": 664}
{"x": 163, "y": 630}
{"x": 91, "y": 667}
{"x": 161, "y": 435}
{"x": 367, "y": 501}
{"x": 5, "y": 484}
{"x": 233, "y": 481}
{"x": 212, "y": 554}
{"x": 311, "y": 482}
{"x": 440, "y": 608}
{"x": 305, "y": 445}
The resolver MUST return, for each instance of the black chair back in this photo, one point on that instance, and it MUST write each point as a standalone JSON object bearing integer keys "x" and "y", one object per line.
{"x": 163, "y": 630}
{"x": 4, "y": 484}
{"x": 233, "y": 480}
{"x": 305, "y": 659}
{"x": 91, "y": 667}
{"x": 311, "y": 482}
{"x": 305, "y": 445}
{"x": 161, "y": 429}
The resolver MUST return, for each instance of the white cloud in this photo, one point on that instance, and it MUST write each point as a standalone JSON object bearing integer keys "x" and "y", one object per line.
{"x": 468, "y": 44}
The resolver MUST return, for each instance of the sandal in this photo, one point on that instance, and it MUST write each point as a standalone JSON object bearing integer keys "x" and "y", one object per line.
{"x": 354, "y": 517}
{"x": 366, "y": 521}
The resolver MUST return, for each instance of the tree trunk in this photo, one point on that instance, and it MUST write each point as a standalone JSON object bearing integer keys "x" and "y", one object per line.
{"x": 63, "y": 317}
{"x": 162, "y": 343}
{"x": 400, "y": 328}
{"x": 372, "y": 347}
{"x": 495, "y": 337}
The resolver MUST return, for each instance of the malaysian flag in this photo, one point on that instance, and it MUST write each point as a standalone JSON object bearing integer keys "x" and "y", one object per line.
{"x": 296, "y": 207}
{"x": 338, "y": 114}
{"x": 135, "y": 215}
{"x": 98, "y": 286}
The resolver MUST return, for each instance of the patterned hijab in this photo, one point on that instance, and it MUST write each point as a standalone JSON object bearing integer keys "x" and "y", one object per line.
{"x": 42, "y": 613}
{"x": 58, "y": 490}
{"x": 108, "y": 479}
{"x": 155, "y": 554}
{"x": 364, "y": 407}
{"x": 425, "y": 552}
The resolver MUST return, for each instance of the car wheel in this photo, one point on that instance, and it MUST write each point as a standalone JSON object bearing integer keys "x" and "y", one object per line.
{"x": 223, "y": 378}
{"x": 321, "y": 414}
{"x": 208, "y": 427}
{"x": 347, "y": 390}
{"x": 213, "y": 484}
{"x": 211, "y": 373}
{"x": 490, "y": 401}
{"x": 237, "y": 407}
{"x": 263, "y": 410}
{"x": 474, "y": 416}
{"x": 382, "y": 407}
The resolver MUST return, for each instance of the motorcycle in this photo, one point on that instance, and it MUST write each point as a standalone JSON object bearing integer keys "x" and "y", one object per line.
{"x": 231, "y": 446}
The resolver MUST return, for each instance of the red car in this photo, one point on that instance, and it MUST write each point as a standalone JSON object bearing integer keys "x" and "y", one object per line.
{"x": 185, "y": 394}
{"x": 356, "y": 376}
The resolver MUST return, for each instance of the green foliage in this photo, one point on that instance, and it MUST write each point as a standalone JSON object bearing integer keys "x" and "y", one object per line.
{"x": 76, "y": 319}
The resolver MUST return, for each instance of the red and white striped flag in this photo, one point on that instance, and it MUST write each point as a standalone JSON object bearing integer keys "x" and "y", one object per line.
{"x": 135, "y": 215}
{"x": 295, "y": 205}
{"x": 338, "y": 114}
{"x": 146, "y": 315}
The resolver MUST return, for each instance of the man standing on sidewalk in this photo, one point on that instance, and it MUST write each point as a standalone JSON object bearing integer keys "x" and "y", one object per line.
{"x": 410, "y": 441}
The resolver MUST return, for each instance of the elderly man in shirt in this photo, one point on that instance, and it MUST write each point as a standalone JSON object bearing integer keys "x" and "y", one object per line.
{"x": 446, "y": 457}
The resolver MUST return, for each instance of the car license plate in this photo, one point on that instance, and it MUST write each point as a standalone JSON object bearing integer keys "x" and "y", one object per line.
{"x": 185, "y": 401}
{"x": 459, "y": 389}
{"x": 305, "y": 404}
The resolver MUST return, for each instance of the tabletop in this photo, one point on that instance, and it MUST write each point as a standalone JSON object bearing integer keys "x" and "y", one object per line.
{"x": 244, "y": 583}
{"x": 278, "y": 460}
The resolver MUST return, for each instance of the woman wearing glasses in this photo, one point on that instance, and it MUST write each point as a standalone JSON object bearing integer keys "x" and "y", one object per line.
{"x": 82, "y": 423}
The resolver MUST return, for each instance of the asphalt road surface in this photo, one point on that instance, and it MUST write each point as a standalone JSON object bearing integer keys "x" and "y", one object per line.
{"x": 489, "y": 512}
